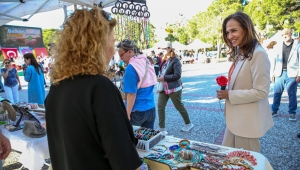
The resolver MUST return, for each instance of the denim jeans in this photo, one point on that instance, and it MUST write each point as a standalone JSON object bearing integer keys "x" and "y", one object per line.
{"x": 291, "y": 86}
{"x": 143, "y": 118}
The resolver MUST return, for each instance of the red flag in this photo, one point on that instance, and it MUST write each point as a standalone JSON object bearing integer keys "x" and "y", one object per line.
{"x": 10, "y": 53}
{"x": 41, "y": 52}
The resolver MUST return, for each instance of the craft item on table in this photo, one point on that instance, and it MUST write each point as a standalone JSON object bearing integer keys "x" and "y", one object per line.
{"x": 174, "y": 149}
{"x": 216, "y": 154}
{"x": 200, "y": 165}
{"x": 243, "y": 165}
{"x": 242, "y": 154}
{"x": 160, "y": 149}
{"x": 154, "y": 156}
{"x": 184, "y": 143}
{"x": 212, "y": 162}
{"x": 145, "y": 133}
{"x": 197, "y": 157}
{"x": 167, "y": 156}
{"x": 208, "y": 147}
{"x": 186, "y": 154}
{"x": 147, "y": 138}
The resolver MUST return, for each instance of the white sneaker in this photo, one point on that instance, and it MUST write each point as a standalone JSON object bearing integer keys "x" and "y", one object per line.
{"x": 163, "y": 130}
{"x": 187, "y": 127}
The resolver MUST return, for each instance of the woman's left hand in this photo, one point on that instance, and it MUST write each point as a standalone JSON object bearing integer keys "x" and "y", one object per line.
{"x": 222, "y": 94}
{"x": 20, "y": 87}
{"x": 159, "y": 79}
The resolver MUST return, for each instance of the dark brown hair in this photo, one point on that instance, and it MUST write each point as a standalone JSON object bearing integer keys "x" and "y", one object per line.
{"x": 250, "y": 40}
{"x": 33, "y": 62}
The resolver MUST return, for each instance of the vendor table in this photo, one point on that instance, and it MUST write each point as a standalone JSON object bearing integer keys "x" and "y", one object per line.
{"x": 34, "y": 151}
{"x": 262, "y": 162}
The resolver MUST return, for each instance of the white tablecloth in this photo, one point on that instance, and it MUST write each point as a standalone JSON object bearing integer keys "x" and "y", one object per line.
{"x": 34, "y": 150}
{"x": 262, "y": 162}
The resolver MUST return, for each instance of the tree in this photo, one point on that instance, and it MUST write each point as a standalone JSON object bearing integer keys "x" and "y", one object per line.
{"x": 171, "y": 38}
{"x": 278, "y": 14}
{"x": 49, "y": 36}
{"x": 182, "y": 35}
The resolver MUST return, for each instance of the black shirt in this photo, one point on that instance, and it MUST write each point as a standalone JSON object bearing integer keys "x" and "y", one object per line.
{"x": 286, "y": 50}
{"x": 87, "y": 126}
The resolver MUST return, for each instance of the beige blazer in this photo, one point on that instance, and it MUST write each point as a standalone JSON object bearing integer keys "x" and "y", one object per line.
{"x": 293, "y": 63}
{"x": 247, "y": 110}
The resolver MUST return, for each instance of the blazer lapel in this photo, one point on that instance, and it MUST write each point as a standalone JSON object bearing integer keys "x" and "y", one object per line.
{"x": 235, "y": 72}
{"x": 292, "y": 50}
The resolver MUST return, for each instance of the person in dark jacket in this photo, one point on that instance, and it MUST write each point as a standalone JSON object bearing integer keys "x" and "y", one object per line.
{"x": 87, "y": 123}
{"x": 171, "y": 74}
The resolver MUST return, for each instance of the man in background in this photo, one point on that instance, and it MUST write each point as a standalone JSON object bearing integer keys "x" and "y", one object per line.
{"x": 286, "y": 71}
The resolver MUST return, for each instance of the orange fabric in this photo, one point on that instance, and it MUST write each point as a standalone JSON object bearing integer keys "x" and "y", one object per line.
{"x": 231, "y": 71}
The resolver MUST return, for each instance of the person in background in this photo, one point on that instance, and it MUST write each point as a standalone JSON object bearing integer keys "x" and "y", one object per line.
{"x": 44, "y": 70}
{"x": 1, "y": 84}
{"x": 157, "y": 62}
{"x": 171, "y": 76}
{"x": 34, "y": 75}
{"x": 49, "y": 61}
{"x": 5, "y": 148}
{"x": 86, "y": 120}
{"x": 286, "y": 71}
{"x": 12, "y": 83}
{"x": 139, "y": 81}
{"x": 247, "y": 110}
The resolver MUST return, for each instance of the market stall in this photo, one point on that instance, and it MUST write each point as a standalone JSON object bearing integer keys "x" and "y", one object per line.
{"x": 171, "y": 153}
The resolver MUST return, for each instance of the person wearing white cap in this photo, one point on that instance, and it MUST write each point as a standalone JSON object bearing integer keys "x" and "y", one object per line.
{"x": 170, "y": 75}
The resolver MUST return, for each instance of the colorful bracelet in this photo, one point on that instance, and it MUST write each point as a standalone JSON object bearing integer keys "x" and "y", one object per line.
{"x": 184, "y": 143}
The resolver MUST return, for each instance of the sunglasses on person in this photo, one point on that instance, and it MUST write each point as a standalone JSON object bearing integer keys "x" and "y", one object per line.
{"x": 6, "y": 62}
{"x": 121, "y": 55}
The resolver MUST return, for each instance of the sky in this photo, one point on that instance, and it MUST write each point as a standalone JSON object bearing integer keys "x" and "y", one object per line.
{"x": 161, "y": 11}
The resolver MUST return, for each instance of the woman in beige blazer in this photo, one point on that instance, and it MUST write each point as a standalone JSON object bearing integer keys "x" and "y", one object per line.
{"x": 247, "y": 110}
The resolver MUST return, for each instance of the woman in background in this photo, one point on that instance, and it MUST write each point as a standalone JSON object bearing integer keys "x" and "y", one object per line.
{"x": 11, "y": 81}
{"x": 34, "y": 75}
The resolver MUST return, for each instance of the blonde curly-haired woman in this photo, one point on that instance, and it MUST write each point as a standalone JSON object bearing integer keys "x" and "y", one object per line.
{"x": 87, "y": 124}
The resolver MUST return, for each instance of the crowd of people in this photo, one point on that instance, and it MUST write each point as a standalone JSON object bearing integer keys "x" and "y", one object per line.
{"x": 84, "y": 103}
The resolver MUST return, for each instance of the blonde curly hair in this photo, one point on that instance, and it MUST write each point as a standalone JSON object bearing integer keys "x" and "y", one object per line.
{"x": 81, "y": 45}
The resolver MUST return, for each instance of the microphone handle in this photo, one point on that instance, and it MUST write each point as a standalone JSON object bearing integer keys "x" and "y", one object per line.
{"x": 223, "y": 87}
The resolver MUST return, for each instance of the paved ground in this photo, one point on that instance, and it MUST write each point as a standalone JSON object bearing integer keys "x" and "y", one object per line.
{"x": 280, "y": 145}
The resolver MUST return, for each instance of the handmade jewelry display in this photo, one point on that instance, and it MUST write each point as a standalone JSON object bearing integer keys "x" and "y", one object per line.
{"x": 145, "y": 133}
{"x": 202, "y": 156}
{"x": 148, "y": 138}
{"x": 132, "y": 22}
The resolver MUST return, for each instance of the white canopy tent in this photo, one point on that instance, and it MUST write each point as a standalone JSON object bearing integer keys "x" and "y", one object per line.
{"x": 178, "y": 46}
{"x": 197, "y": 44}
{"x": 276, "y": 37}
{"x": 16, "y": 9}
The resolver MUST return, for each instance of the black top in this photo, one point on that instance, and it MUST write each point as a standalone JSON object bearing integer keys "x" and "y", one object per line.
{"x": 173, "y": 73}
{"x": 286, "y": 50}
{"x": 87, "y": 126}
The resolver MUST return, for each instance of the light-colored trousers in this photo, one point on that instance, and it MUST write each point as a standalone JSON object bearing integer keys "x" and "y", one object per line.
{"x": 231, "y": 140}
{"x": 12, "y": 94}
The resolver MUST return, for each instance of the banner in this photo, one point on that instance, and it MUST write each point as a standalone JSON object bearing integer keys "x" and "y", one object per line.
{"x": 41, "y": 52}
{"x": 10, "y": 53}
{"x": 24, "y": 50}
{"x": 16, "y": 36}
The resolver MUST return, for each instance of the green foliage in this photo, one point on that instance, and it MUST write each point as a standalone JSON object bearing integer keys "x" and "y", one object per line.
{"x": 279, "y": 14}
{"x": 49, "y": 36}
{"x": 171, "y": 38}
